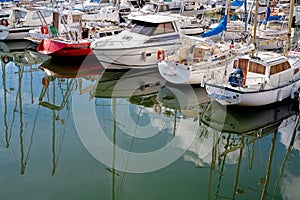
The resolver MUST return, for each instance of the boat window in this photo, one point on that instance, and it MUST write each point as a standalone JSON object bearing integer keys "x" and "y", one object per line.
{"x": 164, "y": 28}
{"x": 279, "y": 67}
{"x": 44, "y": 13}
{"x": 235, "y": 64}
{"x": 143, "y": 28}
{"x": 146, "y": 28}
{"x": 243, "y": 64}
{"x": 257, "y": 68}
{"x": 76, "y": 18}
{"x": 163, "y": 8}
{"x": 18, "y": 14}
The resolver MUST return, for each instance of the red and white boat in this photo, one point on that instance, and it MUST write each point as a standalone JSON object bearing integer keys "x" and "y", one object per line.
{"x": 64, "y": 48}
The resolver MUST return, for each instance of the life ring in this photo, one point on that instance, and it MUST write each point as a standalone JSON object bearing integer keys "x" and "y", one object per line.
{"x": 4, "y": 22}
{"x": 44, "y": 29}
{"x": 160, "y": 55}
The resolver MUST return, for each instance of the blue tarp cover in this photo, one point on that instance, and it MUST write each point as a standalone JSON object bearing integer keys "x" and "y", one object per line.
{"x": 220, "y": 28}
{"x": 237, "y": 3}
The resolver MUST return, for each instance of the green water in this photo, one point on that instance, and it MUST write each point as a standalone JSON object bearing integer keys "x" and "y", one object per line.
{"x": 51, "y": 146}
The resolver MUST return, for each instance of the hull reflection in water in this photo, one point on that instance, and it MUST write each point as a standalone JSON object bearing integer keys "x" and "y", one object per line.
{"x": 253, "y": 155}
{"x": 229, "y": 144}
{"x": 127, "y": 83}
{"x": 129, "y": 104}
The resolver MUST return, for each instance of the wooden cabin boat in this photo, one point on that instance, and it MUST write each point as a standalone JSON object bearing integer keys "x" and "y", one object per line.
{"x": 255, "y": 81}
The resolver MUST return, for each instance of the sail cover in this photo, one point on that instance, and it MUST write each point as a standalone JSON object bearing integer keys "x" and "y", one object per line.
{"x": 269, "y": 17}
{"x": 237, "y": 3}
{"x": 220, "y": 28}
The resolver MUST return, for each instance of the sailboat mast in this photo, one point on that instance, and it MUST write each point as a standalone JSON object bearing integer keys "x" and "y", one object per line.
{"x": 245, "y": 15}
{"x": 228, "y": 10}
{"x": 254, "y": 27}
{"x": 288, "y": 43}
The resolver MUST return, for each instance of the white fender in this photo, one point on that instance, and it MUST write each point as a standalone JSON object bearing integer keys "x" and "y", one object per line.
{"x": 279, "y": 95}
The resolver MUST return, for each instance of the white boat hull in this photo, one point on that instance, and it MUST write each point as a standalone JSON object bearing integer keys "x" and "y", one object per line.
{"x": 183, "y": 74}
{"x": 245, "y": 97}
{"x": 3, "y": 32}
{"x": 139, "y": 57}
{"x": 13, "y": 33}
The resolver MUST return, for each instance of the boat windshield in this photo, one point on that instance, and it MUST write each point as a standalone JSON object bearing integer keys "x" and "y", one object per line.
{"x": 147, "y": 28}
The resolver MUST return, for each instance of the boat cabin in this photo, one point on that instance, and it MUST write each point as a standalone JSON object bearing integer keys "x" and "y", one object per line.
{"x": 24, "y": 17}
{"x": 268, "y": 68}
{"x": 152, "y": 25}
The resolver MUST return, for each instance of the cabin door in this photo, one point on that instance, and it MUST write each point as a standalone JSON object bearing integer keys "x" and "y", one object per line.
{"x": 56, "y": 21}
{"x": 243, "y": 64}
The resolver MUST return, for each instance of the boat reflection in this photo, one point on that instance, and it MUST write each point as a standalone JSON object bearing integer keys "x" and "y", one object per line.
{"x": 128, "y": 83}
{"x": 229, "y": 144}
{"x": 16, "y": 46}
{"x": 17, "y": 70}
{"x": 60, "y": 80}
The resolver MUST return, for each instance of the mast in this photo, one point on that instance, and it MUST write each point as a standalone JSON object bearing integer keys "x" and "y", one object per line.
{"x": 288, "y": 42}
{"x": 245, "y": 15}
{"x": 254, "y": 28}
{"x": 228, "y": 11}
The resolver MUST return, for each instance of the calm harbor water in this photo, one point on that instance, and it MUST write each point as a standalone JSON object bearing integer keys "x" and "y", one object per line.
{"x": 75, "y": 131}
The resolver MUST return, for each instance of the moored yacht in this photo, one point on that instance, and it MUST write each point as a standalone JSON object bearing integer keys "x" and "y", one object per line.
{"x": 255, "y": 81}
{"x": 20, "y": 21}
{"x": 146, "y": 40}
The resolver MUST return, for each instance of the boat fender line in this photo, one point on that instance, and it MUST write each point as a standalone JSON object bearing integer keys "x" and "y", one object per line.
{"x": 279, "y": 95}
{"x": 294, "y": 92}
{"x": 160, "y": 54}
{"x": 4, "y": 22}
{"x": 44, "y": 29}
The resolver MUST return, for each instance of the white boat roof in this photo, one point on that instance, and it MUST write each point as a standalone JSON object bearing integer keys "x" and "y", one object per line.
{"x": 156, "y": 19}
{"x": 268, "y": 58}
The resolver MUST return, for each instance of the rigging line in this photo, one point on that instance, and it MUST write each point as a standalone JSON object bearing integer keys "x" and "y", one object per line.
{"x": 287, "y": 155}
{"x": 63, "y": 136}
{"x": 32, "y": 133}
{"x": 130, "y": 148}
